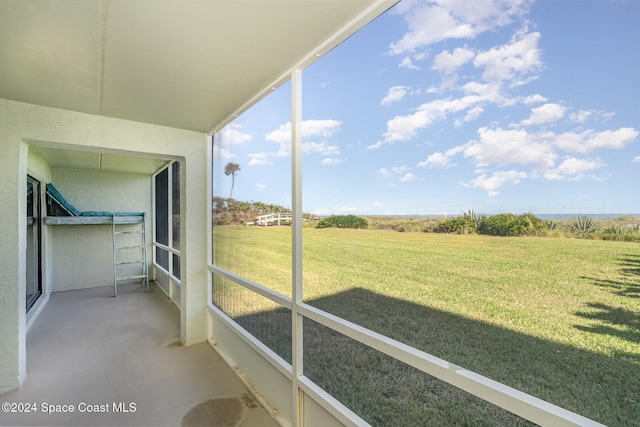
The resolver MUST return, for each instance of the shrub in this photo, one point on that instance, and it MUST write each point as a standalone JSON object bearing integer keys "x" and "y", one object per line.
{"x": 501, "y": 225}
{"x": 533, "y": 222}
{"x": 451, "y": 225}
{"x": 472, "y": 219}
{"x": 464, "y": 224}
{"x": 400, "y": 224}
{"x": 615, "y": 232}
{"x": 584, "y": 227}
{"x": 343, "y": 221}
{"x": 511, "y": 225}
{"x": 622, "y": 234}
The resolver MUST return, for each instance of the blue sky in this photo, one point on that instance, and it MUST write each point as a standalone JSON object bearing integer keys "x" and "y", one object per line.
{"x": 442, "y": 106}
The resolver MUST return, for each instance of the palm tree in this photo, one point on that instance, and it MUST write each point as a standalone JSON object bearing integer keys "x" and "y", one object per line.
{"x": 231, "y": 169}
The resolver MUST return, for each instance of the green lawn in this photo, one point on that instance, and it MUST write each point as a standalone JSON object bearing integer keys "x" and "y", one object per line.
{"x": 555, "y": 317}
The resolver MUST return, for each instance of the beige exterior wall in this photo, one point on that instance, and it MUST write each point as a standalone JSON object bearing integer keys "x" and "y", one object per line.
{"x": 22, "y": 125}
{"x": 13, "y": 245}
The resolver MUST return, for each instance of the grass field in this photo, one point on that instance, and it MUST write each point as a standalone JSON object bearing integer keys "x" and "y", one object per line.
{"x": 558, "y": 318}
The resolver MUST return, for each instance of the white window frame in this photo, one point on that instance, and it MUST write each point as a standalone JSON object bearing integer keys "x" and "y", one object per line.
{"x": 174, "y": 283}
{"x": 508, "y": 398}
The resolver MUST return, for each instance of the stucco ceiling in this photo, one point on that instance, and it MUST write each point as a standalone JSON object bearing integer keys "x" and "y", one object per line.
{"x": 189, "y": 64}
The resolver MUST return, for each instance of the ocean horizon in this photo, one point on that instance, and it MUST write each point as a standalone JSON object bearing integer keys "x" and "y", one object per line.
{"x": 548, "y": 216}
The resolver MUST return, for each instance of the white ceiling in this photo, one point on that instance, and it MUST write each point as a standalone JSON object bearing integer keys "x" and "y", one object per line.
{"x": 189, "y": 64}
{"x": 77, "y": 159}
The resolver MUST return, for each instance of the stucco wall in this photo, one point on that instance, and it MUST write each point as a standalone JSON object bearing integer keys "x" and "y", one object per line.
{"x": 13, "y": 168}
{"x": 25, "y": 124}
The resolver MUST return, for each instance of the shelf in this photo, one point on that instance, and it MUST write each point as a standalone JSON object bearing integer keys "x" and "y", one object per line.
{"x": 93, "y": 220}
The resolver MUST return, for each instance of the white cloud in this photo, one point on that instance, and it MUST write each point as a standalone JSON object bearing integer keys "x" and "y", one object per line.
{"x": 500, "y": 67}
{"x": 447, "y": 83}
{"x": 399, "y": 169}
{"x": 310, "y": 128}
{"x": 591, "y": 140}
{"x": 441, "y": 160}
{"x": 376, "y": 204}
{"x": 282, "y": 135}
{"x": 433, "y": 21}
{"x": 581, "y": 116}
{"x": 448, "y": 62}
{"x": 323, "y": 128}
{"x": 492, "y": 184}
{"x": 400, "y": 172}
{"x": 403, "y": 128}
{"x": 407, "y": 177}
{"x": 498, "y": 146}
{"x": 221, "y": 155}
{"x": 512, "y": 64}
{"x": 394, "y": 94}
{"x": 472, "y": 114}
{"x": 546, "y": 113}
{"x": 539, "y": 150}
{"x": 332, "y": 161}
{"x": 489, "y": 91}
{"x": 429, "y": 24}
{"x": 573, "y": 166}
{"x": 330, "y": 152}
{"x": 383, "y": 172}
{"x": 436, "y": 160}
{"x": 408, "y": 63}
{"x": 261, "y": 187}
{"x": 515, "y": 61}
{"x": 378, "y": 144}
{"x": 231, "y": 135}
{"x": 260, "y": 159}
{"x": 607, "y": 116}
{"x": 574, "y": 169}
{"x": 322, "y": 148}
{"x": 534, "y": 99}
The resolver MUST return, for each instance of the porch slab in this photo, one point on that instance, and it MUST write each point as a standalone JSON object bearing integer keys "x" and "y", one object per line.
{"x": 96, "y": 360}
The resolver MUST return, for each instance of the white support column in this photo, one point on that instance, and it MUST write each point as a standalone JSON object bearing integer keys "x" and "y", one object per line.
{"x": 208, "y": 204}
{"x": 193, "y": 242}
{"x": 296, "y": 227}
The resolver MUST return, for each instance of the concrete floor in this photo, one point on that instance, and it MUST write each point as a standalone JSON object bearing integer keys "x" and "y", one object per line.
{"x": 121, "y": 357}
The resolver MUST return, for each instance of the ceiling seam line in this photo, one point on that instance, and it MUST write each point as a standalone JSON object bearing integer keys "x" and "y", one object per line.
{"x": 101, "y": 51}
